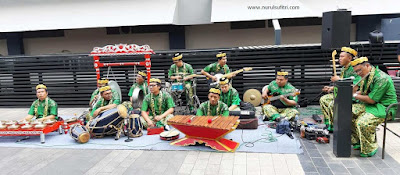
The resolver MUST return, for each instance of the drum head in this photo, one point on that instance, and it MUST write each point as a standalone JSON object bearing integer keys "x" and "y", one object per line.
{"x": 137, "y": 98}
{"x": 114, "y": 86}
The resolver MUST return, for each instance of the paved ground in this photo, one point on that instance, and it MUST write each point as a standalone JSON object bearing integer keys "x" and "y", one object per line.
{"x": 317, "y": 159}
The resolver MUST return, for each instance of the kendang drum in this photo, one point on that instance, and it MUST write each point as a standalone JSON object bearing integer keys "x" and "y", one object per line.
{"x": 135, "y": 126}
{"x": 106, "y": 123}
{"x": 79, "y": 133}
{"x": 177, "y": 87}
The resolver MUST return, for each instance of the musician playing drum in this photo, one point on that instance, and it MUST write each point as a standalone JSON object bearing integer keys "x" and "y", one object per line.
{"x": 107, "y": 101}
{"x": 375, "y": 93}
{"x": 217, "y": 67}
{"x": 96, "y": 94}
{"x": 177, "y": 73}
{"x": 285, "y": 106}
{"x": 44, "y": 107}
{"x": 140, "y": 83}
{"x": 346, "y": 56}
{"x": 229, "y": 95}
{"x": 213, "y": 107}
{"x": 159, "y": 104}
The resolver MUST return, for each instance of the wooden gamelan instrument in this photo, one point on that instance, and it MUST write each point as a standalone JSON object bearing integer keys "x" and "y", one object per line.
{"x": 206, "y": 129}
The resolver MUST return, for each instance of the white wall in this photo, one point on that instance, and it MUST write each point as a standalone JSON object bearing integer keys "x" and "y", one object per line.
{"x": 220, "y": 35}
{"x": 3, "y": 47}
{"x": 83, "y": 41}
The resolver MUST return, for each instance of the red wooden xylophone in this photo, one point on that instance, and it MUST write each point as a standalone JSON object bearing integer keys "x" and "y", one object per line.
{"x": 206, "y": 129}
{"x": 14, "y": 128}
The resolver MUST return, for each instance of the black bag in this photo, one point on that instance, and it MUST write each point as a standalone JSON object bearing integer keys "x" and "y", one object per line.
{"x": 246, "y": 106}
{"x": 278, "y": 104}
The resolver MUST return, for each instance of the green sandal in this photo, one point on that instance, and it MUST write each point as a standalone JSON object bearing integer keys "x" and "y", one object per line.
{"x": 356, "y": 147}
{"x": 369, "y": 154}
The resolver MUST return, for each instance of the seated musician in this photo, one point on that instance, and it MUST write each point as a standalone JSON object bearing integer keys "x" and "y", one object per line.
{"x": 44, "y": 107}
{"x": 375, "y": 93}
{"x": 96, "y": 94}
{"x": 140, "y": 83}
{"x": 159, "y": 104}
{"x": 285, "y": 107}
{"x": 107, "y": 101}
{"x": 217, "y": 67}
{"x": 213, "y": 107}
{"x": 346, "y": 56}
{"x": 177, "y": 73}
{"x": 229, "y": 95}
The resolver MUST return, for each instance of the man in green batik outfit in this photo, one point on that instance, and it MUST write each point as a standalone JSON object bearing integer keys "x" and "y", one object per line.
{"x": 140, "y": 83}
{"x": 44, "y": 107}
{"x": 179, "y": 72}
{"x": 376, "y": 92}
{"x": 217, "y": 67}
{"x": 346, "y": 56}
{"x": 285, "y": 106}
{"x": 213, "y": 107}
{"x": 229, "y": 95}
{"x": 159, "y": 104}
{"x": 96, "y": 94}
{"x": 107, "y": 101}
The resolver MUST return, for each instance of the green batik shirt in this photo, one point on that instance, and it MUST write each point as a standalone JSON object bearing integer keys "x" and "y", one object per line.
{"x": 143, "y": 87}
{"x": 52, "y": 108}
{"x": 230, "y": 98}
{"x": 103, "y": 102}
{"x": 287, "y": 89}
{"x": 222, "y": 109}
{"x": 382, "y": 91}
{"x": 347, "y": 72}
{"x": 163, "y": 100}
{"x": 216, "y": 68}
{"x": 185, "y": 70}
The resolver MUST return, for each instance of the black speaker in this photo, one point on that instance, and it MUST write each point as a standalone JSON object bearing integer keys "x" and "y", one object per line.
{"x": 336, "y": 29}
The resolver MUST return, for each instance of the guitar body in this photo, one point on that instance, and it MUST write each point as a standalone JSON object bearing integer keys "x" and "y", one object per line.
{"x": 219, "y": 75}
{"x": 273, "y": 98}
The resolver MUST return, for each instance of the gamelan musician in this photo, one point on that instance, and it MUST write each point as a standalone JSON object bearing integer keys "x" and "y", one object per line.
{"x": 218, "y": 67}
{"x": 107, "y": 101}
{"x": 213, "y": 107}
{"x": 229, "y": 95}
{"x": 44, "y": 107}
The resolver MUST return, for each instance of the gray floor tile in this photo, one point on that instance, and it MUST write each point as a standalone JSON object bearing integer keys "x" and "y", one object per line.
{"x": 308, "y": 166}
{"x": 304, "y": 157}
{"x": 324, "y": 171}
{"x": 314, "y": 153}
{"x": 337, "y": 168}
{"x": 387, "y": 171}
{"x": 349, "y": 163}
{"x": 319, "y": 162}
{"x": 314, "y": 173}
{"x": 379, "y": 163}
{"x": 355, "y": 171}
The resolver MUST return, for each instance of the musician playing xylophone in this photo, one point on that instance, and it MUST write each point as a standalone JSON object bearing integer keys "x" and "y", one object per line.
{"x": 44, "y": 107}
{"x": 213, "y": 107}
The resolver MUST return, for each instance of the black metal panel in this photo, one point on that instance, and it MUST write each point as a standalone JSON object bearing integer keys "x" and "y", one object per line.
{"x": 71, "y": 78}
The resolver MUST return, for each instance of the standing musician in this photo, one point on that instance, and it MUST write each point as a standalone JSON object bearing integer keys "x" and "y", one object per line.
{"x": 375, "y": 93}
{"x": 107, "y": 101}
{"x": 229, "y": 95}
{"x": 213, "y": 107}
{"x": 159, "y": 104}
{"x": 141, "y": 83}
{"x": 44, "y": 107}
{"x": 285, "y": 106}
{"x": 177, "y": 73}
{"x": 217, "y": 67}
{"x": 346, "y": 56}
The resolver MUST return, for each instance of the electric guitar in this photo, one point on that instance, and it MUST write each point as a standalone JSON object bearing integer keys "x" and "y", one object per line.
{"x": 271, "y": 98}
{"x": 211, "y": 83}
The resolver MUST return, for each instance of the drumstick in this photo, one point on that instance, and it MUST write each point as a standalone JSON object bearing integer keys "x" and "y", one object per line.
{"x": 334, "y": 62}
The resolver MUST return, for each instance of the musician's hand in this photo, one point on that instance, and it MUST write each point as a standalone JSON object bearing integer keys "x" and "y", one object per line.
{"x": 330, "y": 89}
{"x": 150, "y": 124}
{"x": 96, "y": 112}
{"x": 358, "y": 93}
{"x": 335, "y": 78}
{"x": 325, "y": 89}
{"x": 187, "y": 78}
{"x": 158, "y": 118}
{"x": 264, "y": 96}
{"x": 214, "y": 78}
{"x": 283, "y": 98}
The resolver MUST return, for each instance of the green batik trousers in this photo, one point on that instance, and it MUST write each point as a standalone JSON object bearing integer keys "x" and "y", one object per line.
{"x": 160, "y": 123}
{"x": 364, "y": 129}
{"x": 189, "y": 94}
{"x": 326, "y": 103}
{"x": 272, "y": 112}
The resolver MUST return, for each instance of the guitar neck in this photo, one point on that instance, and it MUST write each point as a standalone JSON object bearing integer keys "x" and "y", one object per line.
{"x": 277, "y": 97}
{"x": 236, "y": 72}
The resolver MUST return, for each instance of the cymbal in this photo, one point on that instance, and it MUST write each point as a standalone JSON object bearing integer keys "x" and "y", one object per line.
{"x": 252, "y": 96}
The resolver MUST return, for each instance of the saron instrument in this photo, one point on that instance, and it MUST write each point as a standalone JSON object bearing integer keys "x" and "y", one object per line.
{"x": 206, "y": 129}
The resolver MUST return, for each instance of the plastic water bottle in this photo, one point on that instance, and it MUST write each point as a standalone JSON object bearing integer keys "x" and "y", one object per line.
{"x": 296, "y": 118}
